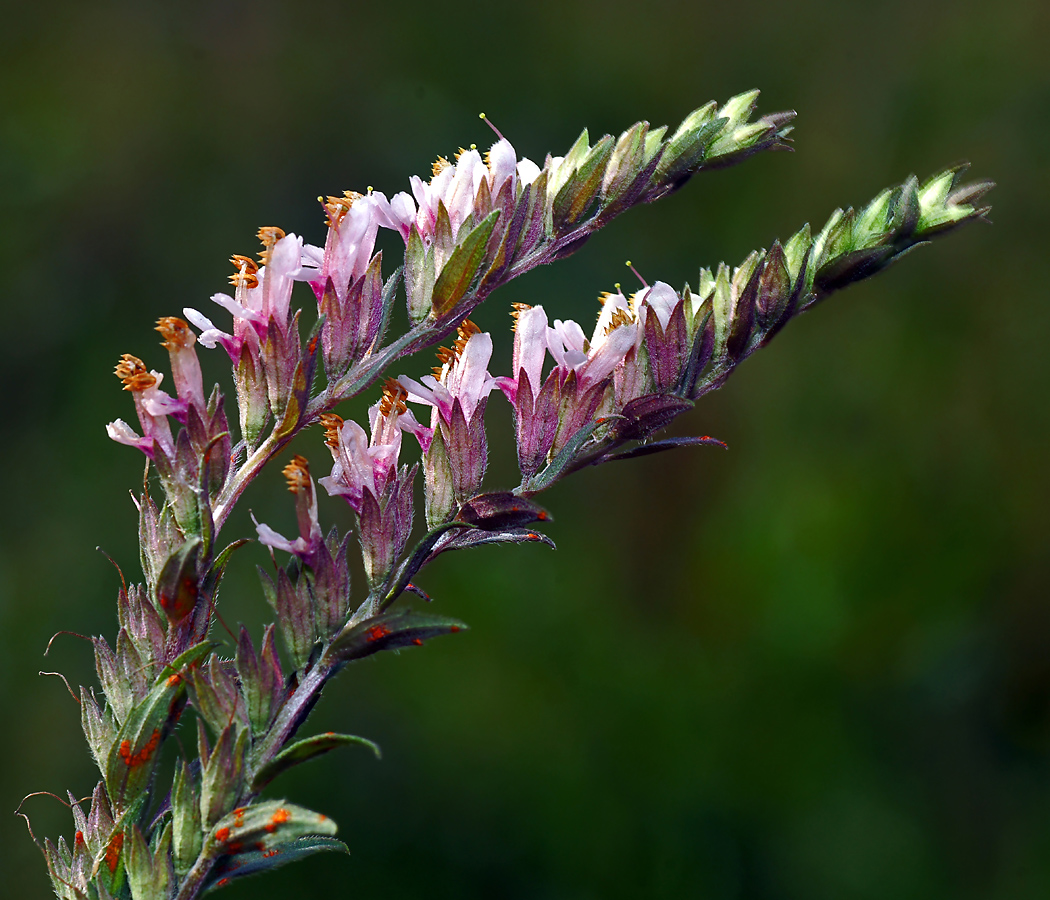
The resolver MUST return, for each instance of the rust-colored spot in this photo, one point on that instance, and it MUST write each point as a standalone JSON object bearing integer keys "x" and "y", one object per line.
{"x": 532, "y": 536}
{"x": 376, "y": 632}
{"x": 234, "y": 847}
{"x": 222, "y": 835}
{"x": 222, "y": 882}
{"x": 113, "y": 850}
{"x": 454, "y": 629}
{"x": 238, "y": 817}
{"x": 322, "y": 818}
{"x": 260, "y": 846}
{"x": 79, "y": 839}
{"x": 417, "y": 642}
{"x": 144, "y": 755}
{"x": 174, "y": 679}
{"x": 279, "y": 817}
{"x": 543, "y": 515}
{"x": 270, "y": 853}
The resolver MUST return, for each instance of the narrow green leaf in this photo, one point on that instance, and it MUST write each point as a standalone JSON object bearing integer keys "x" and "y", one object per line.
{"x": 134, "y": 752}
{"x": 262, "y": 826}
{"x": 389, "y": 631}
{"x": 253, "y": 861}
{"x": 307, "y": 749}
{"x": 459, "y": 271}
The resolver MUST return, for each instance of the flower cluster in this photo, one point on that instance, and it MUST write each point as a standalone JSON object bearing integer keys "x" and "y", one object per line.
{"x": 577, "y": 401}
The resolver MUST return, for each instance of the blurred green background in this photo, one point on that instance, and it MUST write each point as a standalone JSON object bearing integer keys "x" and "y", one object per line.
{"x": 815, "y": 666}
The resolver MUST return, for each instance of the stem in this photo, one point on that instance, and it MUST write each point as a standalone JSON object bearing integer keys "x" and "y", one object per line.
{"x": 193, "y": 883}
{"x": 295, "y": 710}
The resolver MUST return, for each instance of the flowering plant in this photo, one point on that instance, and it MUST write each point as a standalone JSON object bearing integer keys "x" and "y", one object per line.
{"x": 476, "y": 224}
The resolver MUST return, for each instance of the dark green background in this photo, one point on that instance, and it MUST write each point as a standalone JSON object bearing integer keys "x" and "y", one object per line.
{"x": 815, "y": 666}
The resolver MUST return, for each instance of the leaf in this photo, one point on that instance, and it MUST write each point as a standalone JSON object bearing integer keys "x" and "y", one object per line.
{"x": 501, "y": 510}
{"x": 261, "y": 826}
{"x": 419, "y": 555}
{"x": 476, "y": 537}
{"x": 576, "y": 195}
{"x": 307, "y": 749}
{"x": 419, "y": 276}
{"x": 389, "y": 631}
{"x": 185, "y": 819}
{"x": 459, "y": 271}
{"x": 253, "y": 861}
{"x": 177, "y": 584}
{"x": 134, "y": 752}
{"x": 223, "y": 773}
{"x": 669, "y": 444}
{"x": 561, "y": 462}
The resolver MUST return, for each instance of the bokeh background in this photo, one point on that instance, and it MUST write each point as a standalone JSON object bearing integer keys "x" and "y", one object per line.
{"x": 815, "y": 666}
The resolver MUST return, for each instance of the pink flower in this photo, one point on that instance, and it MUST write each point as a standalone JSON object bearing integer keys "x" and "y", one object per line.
{"x": 152, "y": 405}
{"x": 367, "y": 465}
{"x": 365, "y": 473}
{"x": 458, "y": 391}
{"x": 456, "y": 186}
{"x": 297, "y": 473}
{"x": 463, "y": 377}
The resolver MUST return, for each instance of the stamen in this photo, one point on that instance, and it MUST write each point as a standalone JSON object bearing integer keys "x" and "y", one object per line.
{"x": 176, "y": 333}
{"x": 485, "y": 119}
{"x": 394, "y": 396}
{"x": 132, "y": 371}
{"x": 337, "y": 207}
{"x": 619, "y": 318}
{"x": 439, "y": 166}
{"x": 247, "y": 271}
{"x": 516, "y": 310}
{"x": 636, "y": 275}
{"x": 332, "y": 423}
{"x": 297, "y": 473}
{"x": 268, "y": 235}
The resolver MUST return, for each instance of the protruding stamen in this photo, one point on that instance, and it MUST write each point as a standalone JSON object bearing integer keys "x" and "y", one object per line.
{"x": 337, "y": 207}
{"x": 486, "y": 120}
{"x": 176, "y": 333}
{"x": 268, "y": 235}
{"x": 332, "y": 423}
{"x": 247, "y": 274}
{"x": 516, "y": 309}
{"x": 297, "y": 473}
{"x": 446, "y": 355}
{"x": 393, "y": 399}
{"x": 466, "y": 330}
{"x": 132, "y": 371}
{"x": 636, "y": 275}
{"x": 619, "y": 317}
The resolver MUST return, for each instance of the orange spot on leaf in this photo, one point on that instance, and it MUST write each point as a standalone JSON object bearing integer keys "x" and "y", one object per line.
{"x": 417, "y": 642}
{"x": 454, "y": 629}
{"x": 144, "y": 755}
{"x": 113, "y": 851}
{"x": 376, "y": 632}
{"x": 79, "y": 838}
{"x": 279, "y": 817}
{"x": 222, "y": 835}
